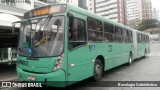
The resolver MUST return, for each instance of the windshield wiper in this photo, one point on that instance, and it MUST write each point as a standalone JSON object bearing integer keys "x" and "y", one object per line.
{"x": 45, "y": 22}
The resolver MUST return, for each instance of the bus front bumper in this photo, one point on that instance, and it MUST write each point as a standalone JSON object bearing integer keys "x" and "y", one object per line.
{"x": 55, "y": 79}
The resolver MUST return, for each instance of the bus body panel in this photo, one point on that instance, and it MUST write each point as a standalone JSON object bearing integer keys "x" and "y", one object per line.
{"x": 109, "y": 55}
{"x": 54, "y": 79}
{"x": 135, "y": 44}
{"x": 39, "y": 65}
{"x": 142, "y": 44}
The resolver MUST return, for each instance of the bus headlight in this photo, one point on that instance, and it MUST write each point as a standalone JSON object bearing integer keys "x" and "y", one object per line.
{"x": 58, "y": 63}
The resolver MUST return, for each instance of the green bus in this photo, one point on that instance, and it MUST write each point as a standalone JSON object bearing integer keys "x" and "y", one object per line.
{"x": 62, "y": 44}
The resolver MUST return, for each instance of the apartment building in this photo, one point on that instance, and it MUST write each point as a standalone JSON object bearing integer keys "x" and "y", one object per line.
{"x": 146, "y": 9}
{"x": 111, "y": 9}
{"x": 134, "y": 11}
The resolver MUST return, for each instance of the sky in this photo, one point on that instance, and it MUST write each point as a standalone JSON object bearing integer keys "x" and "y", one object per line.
{"x": 156, "y": 4}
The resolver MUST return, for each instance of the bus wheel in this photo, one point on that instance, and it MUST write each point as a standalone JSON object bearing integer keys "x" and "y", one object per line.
{"x": 130, "y": 59}
{"x": 98, "y": 70}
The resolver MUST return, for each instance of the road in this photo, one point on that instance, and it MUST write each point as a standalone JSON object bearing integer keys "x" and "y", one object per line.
{"x": 7, "y": 72}
{"x": 144, "y": 69}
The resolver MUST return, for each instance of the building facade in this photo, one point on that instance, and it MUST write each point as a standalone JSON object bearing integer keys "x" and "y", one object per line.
{"x": 146, "y": 9}
{"x": 111, "y": 9}
{"x": 134, "y": 13}
{"x": 74, "y": 2}
{"x": 154, "y": 34}
{"x": 12, "y": 11}
{"x": 91, "y": 5}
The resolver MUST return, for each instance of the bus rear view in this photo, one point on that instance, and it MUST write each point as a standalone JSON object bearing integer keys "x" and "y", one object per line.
{"x": 41, "y": 46}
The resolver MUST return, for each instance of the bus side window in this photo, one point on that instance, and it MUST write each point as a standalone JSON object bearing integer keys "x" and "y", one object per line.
{"x": 78, "y": 33}
{"x": 118, "y": 34}
{"x": 125, "y": 38}
{"x": 95, "y": 30}
{"x": 108, "y": 32}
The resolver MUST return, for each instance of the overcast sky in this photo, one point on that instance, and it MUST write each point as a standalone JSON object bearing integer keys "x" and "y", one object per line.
{"x": 156, "y": 4}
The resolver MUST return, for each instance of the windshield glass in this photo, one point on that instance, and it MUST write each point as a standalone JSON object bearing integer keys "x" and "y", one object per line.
{"x": 42, "y": 37}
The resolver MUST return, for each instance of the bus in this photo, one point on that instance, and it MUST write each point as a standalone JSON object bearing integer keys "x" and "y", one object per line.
{"x": 62, "y": 44}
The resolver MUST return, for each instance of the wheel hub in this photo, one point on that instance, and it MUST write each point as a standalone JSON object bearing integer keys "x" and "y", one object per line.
{"x": 98, "y": 69}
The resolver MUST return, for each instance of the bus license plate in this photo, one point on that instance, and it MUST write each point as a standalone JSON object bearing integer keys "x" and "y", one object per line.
{"x": 31, "y": 78}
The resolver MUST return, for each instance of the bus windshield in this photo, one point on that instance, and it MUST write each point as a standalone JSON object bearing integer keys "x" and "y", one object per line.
{"x": 42, "y": 37}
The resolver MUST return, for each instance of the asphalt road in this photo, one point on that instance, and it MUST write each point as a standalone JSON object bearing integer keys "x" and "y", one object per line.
{"x": 7, "y": 72}
{"x": 144, "y": 69}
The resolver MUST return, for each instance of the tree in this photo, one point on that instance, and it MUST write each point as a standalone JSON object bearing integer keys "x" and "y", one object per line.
{"x": 149, "y": 23}
{"x": 134, "y": 23}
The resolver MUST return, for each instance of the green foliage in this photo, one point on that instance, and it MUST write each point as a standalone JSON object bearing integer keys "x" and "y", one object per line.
{"x": 149, "y": 23}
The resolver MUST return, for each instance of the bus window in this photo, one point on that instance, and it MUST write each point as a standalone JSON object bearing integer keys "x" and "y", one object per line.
{"x": 108, "y": 32}
{"x": 95, "y": 30}
{"x": 138, "y": 37}
{"x": 129, "y": 36}
{"x": 118, "y": 34}
{"x": 125, "y": 35}
{"x": 78, "y": 33}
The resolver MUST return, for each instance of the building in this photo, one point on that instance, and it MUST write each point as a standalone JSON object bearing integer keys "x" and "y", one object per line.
{"x": 74, "y": 2}
{"x": 155, "y": 14}
{"x": 154, "y": 34}
{"x": 146, "y": 9}
{"x": 12, "y": 11}
{"x": 91, "y": 6}
{"x": 134, "y": 13}
{"x": 111, "y": 9}
{"x": 80, "y": 3}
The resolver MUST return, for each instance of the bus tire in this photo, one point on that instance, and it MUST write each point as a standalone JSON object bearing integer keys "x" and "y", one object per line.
{"x": 98, "y": 70}
{"x": 130, "y": 59}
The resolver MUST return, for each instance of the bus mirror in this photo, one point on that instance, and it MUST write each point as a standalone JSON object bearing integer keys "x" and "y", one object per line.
{"x": 15, "y": 25}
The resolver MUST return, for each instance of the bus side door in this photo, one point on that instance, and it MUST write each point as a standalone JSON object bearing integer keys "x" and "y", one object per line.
{"x": 79, "y": 63}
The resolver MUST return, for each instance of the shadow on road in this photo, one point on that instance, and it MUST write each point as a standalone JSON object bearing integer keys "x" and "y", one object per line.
{"x": 5, "y": 67}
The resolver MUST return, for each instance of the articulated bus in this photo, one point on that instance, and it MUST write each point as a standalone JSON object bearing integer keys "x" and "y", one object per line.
{"x": 61, "y": 44}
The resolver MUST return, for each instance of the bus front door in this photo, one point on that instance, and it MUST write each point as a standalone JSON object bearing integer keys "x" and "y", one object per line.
{"x": 79, "y": 65}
